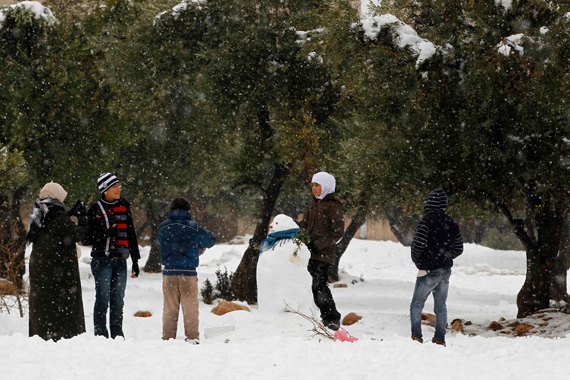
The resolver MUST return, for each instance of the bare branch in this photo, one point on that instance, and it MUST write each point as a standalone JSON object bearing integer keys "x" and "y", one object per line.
{"x": 318, "y": 328}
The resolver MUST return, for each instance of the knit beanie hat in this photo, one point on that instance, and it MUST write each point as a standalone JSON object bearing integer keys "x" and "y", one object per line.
{"x": 54, "y": 191}
{"x": 327, "y": 182}
{"x": 180, "y": 204}
{"x": 105, "y": 181}
{"x": 435, "y": 200}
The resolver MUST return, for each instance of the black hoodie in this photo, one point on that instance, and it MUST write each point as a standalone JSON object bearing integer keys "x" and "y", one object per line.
{"x": 437, "y": 239}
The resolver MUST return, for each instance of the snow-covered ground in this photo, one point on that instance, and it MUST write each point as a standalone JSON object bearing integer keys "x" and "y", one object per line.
{"x": 271, "y": 345}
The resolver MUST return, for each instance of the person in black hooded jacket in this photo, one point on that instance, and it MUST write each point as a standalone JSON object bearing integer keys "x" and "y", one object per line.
{"x": 437, "y": 242}
{"x": 55, "y": 301}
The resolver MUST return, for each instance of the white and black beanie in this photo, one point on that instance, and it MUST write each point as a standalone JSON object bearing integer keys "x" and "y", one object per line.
{"x": 435, "y": 200}
{"x": 105, "y": 181}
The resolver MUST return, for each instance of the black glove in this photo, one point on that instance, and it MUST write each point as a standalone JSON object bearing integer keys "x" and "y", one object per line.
{"x": 78, "y": 209}
{"x": 136, "y": 270}
{"x": 82, "y": 221}
{"x": 112, "y": 231}
{"x": 311, "y": 247}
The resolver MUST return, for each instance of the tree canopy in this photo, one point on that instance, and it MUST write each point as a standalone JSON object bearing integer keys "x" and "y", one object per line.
{"x": 477, "y": 104}
{"x": 236, "y": 104}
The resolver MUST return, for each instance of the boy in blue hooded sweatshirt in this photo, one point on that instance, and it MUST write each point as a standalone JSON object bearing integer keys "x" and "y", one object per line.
{"x": 181, "y": 241}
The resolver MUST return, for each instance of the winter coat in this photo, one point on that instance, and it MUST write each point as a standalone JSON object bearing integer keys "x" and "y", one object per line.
{"x": 437, "y": 239}
{"x": 181, "y": 239}
{"x": 55, "y": 301}
{"x": 324, "y": 221}
{"x": 117, "y": 242}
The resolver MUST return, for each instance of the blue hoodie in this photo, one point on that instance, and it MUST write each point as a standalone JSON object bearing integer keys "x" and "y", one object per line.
{"x": 181, "y": 239}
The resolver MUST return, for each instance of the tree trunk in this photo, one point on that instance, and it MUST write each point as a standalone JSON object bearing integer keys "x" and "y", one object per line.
{"x": 558, "y": 285}
{"x": 13, "y": 237}
{"x": 541, "y": 256}
{"x": 540, "y": 233}
{"x": 244, "y": 282}
{"x": 5, "y": 236}
{"x": 402, "y": 226}
{"x": 534, "y": 294}
{"x": 153, "y": 218}
{"x": 357, "y": 221}
{"x": 479, "y": 233}
{"x": 19, "y": 238}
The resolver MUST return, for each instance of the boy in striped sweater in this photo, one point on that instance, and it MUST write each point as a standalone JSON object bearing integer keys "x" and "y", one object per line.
{"x": 111, "y": 233}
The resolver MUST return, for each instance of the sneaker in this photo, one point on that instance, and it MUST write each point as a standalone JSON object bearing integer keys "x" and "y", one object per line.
{"x": 193, "y": 342}
{"x": 332, "y": 325}
{"x": 417, "y": 339}
{"x": 437, "y": 341}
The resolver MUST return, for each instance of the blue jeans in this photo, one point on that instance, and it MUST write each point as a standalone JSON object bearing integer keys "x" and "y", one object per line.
{"x": 437, "y": 283}
{"x": 110, "y": 283}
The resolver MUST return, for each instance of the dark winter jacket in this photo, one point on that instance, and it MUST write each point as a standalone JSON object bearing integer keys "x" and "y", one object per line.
{"x": 324, "y": 221}
{"x": 111, "y": 230}
{"x": 181, "y": 240}
{"x": 55, "y": 302}
{"x": 437, "y": 239}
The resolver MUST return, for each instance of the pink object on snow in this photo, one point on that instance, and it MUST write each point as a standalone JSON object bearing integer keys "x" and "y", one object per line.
{"x": 342, "y": 336}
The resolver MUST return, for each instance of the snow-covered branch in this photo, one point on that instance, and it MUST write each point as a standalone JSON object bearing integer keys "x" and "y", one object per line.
{"x": 403, "y": 35}
{"x": 38, "y": 11}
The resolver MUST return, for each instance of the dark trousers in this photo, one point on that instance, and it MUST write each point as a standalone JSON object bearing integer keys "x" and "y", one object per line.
{"x": 110, "y": 282}
{"x": 321, "y": 293}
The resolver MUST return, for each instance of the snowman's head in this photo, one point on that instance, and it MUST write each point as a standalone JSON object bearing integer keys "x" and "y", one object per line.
{"x": 282, "y": 222}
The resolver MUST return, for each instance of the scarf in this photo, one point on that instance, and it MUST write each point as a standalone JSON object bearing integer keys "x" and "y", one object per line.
{"x": 277, "y": 237}
{"x": 38, "y": 217}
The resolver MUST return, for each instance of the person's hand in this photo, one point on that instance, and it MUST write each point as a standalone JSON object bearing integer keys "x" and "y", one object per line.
{"x": 78, "y": 209}
{"x": 311, "y": 246}
{"x": 136, "y": 271}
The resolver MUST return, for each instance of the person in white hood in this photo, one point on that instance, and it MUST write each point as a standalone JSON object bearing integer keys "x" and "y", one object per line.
{"x": 324, "y": 222}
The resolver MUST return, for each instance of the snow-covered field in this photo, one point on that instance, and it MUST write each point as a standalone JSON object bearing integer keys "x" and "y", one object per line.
{"x": 271, "y": 345}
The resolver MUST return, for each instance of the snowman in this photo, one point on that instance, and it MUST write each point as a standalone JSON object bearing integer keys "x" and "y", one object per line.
{"x": 282, "y": 276}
